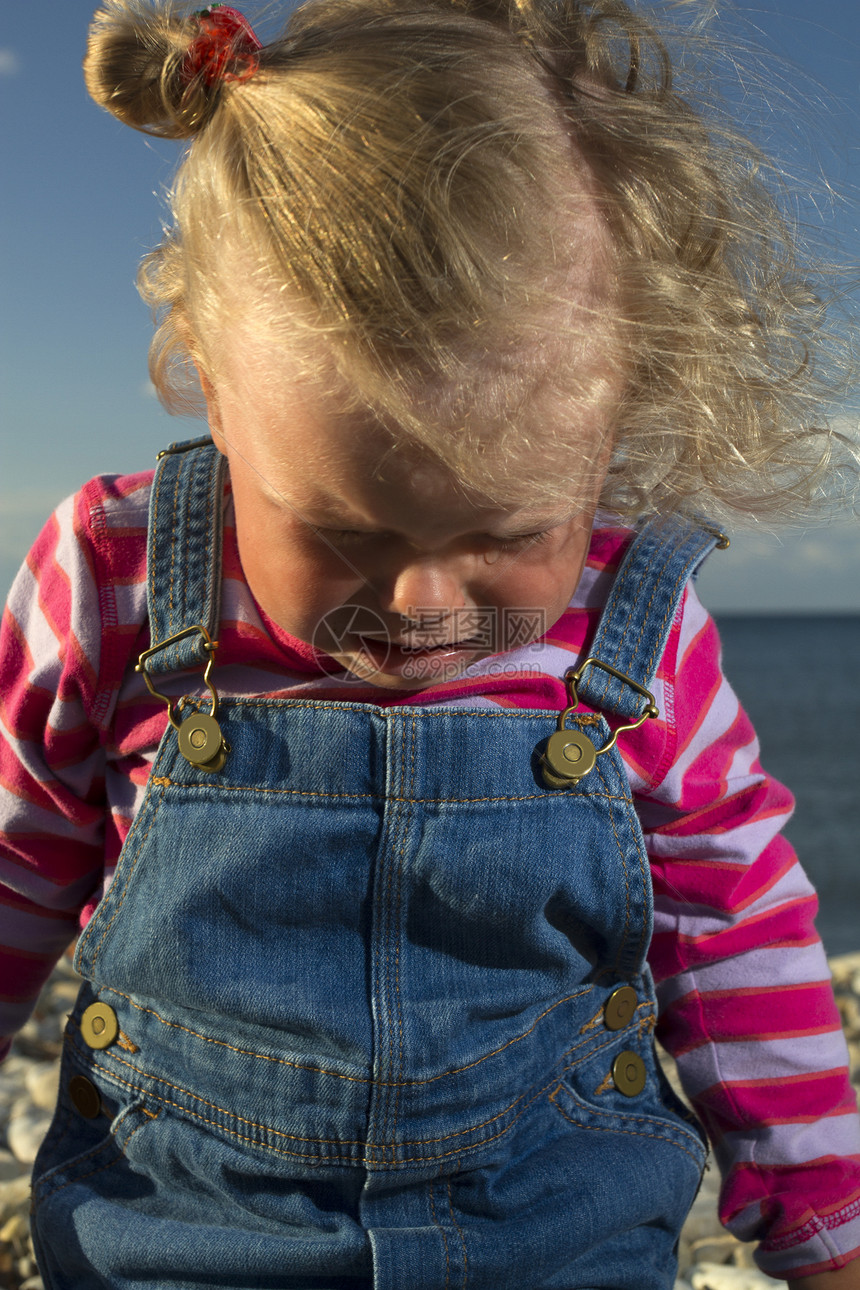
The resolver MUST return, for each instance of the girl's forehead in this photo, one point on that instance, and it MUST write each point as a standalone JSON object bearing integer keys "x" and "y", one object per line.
{"x": 343, "y": 468}
{"x": 290, "y": 410}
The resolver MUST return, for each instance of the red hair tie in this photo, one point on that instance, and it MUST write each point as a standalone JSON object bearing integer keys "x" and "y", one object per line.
{"x": 224, "y": 49}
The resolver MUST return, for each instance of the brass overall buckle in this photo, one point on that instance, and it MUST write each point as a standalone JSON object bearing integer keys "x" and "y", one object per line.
{"x": 570, "y": 754}
{"x": 200, "y": 739}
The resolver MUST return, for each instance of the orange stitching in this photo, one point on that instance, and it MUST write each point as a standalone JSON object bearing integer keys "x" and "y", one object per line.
{"x": 409, "y": 821}
{"x": 127, "y": 1044}
{"x": 623, "y": 942}
{"x": 285, "y": 792}
{"x": 394, "y": 834}
{"x": 372, "y": 1147}
{"x": 295, "y": 1137}
{"x": 243, "y": 1052}
{"x": 394, "y": 824}
{"x": 378, "y": 956}
{"x": 354, "y": 1079}
{"x": 605, "y": 1083}
{"x": 550, "y": 795}
{"x": 590, "y": 1052}
{"x": 682, "y": 578}
{"x": 622, "y": 636}
{"x": 635, "y": 831}
{"x": 393, "y": 907}
{"x": 150, "y": 1116}
{"x": 632, "y": 1133}
{"x": 188, "y": 498}
{"x": 436, "y": 1223}
{"x": 458, "y": 1151}
{"x": 596, "y": 1020}
{"x": 209, "y": 555}
{"x": 398, "y": 917}
{"x": 127, "y": 880}
{"x": 394, "y": 714}
{"x": 669, "y": 553}
{"x": 337, "y": 1157}
{"x": 155, "y": 633}
{"x": 633, "y": 1119}
{"x": 232, "y": 1115}
{"x": 173, "y": 529}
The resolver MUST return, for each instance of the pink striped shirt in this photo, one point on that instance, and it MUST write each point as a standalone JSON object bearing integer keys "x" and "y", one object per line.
{"x": 746, "y": 1006}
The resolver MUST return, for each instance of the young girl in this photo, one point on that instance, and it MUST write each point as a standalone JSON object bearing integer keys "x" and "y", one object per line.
{"x": 379, "y": 745}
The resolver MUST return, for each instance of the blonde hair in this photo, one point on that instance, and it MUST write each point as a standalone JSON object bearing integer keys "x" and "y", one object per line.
{"x": 505, "y": 202}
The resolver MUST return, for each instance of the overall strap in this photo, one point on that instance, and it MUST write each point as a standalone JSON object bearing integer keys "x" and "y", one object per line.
{"x": 186, "y": 519}
{"x": 638, "y": 615}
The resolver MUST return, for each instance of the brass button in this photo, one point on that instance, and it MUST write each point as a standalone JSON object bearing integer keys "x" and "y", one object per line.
{"x": 619, "y": 1008}
{"x": 569, "y": 755}
{"x": 99, "y": 1025}
{"x": 628, "y": 1073}
{"x": 201, "y": 742}
{"x": 85, "y": 1097}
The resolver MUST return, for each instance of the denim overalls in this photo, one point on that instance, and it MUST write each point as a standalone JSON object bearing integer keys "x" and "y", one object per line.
{"x": 369, "y": 1006}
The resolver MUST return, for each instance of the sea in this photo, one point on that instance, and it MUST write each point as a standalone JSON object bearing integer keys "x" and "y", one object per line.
{"x": 799, "y": 680}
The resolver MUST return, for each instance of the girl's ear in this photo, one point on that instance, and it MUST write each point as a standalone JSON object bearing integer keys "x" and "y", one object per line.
{"x": 213, "y": 412}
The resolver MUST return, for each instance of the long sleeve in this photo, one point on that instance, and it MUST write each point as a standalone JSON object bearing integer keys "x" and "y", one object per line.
{"x": 51, "y": 764}
{"x": 72, "y": 615}
{"x": 746, "y": 1005}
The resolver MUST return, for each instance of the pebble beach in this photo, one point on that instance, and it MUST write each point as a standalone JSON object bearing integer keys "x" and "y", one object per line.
{"x": 710, "y": 1259}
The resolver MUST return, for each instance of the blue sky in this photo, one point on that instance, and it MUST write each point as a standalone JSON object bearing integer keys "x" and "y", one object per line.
{"x": 80, "y": 205}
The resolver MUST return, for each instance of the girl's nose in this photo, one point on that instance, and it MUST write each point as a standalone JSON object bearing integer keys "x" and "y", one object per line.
{"x": 427, "y": 589}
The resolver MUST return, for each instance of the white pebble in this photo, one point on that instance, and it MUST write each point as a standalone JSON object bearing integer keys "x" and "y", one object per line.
{"x": 58, "y": 1006}
{"x": 722, "y": 1248}
{"x": 43, "y": 1084}
{"x": 14, "y": 1069}
{"x": 722, "y": 1276}
{"x": 27, "y": 1127}
{"x": 14, "y": 1193}
{"x": 9, "y": 1166}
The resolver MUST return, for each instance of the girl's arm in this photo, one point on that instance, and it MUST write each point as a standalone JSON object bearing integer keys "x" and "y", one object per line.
{"x": 746, "y": 1003}
{"x": 61, "y": 636}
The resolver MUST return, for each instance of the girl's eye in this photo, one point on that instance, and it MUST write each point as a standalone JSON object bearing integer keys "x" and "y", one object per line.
{"x": 521, "y": 542}
{"x": 352, "y": 537}
{"x": 346, "y": 537}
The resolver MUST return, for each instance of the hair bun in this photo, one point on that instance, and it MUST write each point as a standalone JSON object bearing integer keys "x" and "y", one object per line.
{"x": 138, "y": 67}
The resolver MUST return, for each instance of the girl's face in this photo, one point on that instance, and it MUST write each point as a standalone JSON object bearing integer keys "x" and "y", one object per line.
{"x": 376, "y": 556}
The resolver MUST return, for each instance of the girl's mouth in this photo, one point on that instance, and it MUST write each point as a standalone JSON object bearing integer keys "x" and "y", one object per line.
{"x": 421, "y": 663}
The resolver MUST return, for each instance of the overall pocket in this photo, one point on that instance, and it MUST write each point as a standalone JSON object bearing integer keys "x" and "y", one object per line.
{"x": 623, "y": 1112}
{"x": 83, "y": 1190}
